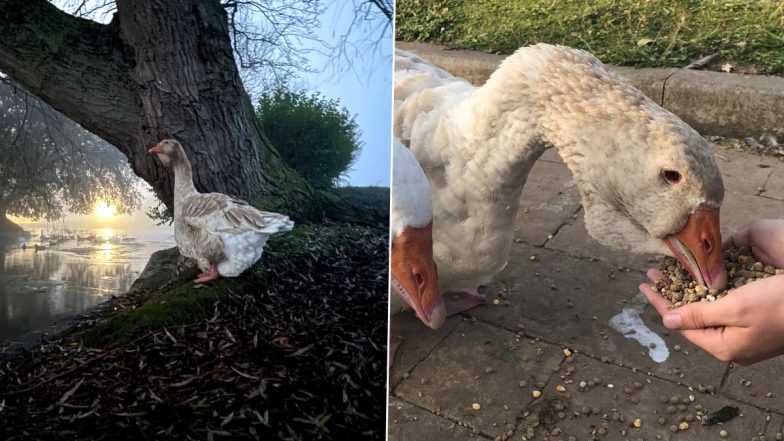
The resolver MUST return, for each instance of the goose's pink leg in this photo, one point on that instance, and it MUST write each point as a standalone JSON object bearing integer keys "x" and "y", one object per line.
{"x": 206, "y": 277}
{"x": 457, "y": 302}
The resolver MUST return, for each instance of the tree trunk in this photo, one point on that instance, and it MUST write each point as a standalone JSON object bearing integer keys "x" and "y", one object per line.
{"x": 161, "y": 68}
{"x": 6, "y": 226}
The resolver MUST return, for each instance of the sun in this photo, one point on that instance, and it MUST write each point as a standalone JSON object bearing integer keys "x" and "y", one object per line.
{"x": 105, "y": 210}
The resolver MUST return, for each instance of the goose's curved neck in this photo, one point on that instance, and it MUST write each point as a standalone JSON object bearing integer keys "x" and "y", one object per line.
{"x": 506, "y": 134}
{"x": 183, "y": 180}
{"x": 534, "y": 102}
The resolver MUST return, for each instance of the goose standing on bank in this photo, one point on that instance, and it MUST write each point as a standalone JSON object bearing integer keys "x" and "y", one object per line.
{"x": 648, "y": 182}
{"x": 223, "y": 234}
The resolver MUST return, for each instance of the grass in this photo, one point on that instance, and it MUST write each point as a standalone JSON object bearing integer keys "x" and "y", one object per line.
{"x": 653, "y": 33}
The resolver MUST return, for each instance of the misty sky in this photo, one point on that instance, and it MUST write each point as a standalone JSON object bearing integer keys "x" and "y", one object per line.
{"x": 368, "y": 94}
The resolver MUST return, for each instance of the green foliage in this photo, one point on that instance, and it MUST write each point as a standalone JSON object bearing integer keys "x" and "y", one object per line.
{"x": 312, "y": 134}
{"x": 161, "y": 214}
{"x": 627, "y": 32}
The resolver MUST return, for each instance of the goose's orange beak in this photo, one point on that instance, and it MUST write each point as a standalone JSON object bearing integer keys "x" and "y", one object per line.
{"x": 414, "y": 274}
{"x": 698, "y": 247}
{"x": 155, "y": 150}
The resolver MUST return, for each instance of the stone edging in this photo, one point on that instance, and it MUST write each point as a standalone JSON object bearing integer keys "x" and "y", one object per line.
{"x": 714, "y": 103}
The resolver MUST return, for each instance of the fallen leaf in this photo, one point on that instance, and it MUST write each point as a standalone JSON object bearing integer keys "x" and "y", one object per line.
{"x": 644, "y": 42}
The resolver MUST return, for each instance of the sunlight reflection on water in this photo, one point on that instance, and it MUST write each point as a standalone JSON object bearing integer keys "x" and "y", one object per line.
{"x": 37, "y": 288}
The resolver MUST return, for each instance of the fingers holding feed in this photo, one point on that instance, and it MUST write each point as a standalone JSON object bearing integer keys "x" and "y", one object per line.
{"x": 738, "y": 239}
{"x": 710, "y": 339}
{"x": 659, "y": 303}
{"x": 655, "y": 274}
{"x": 722, "y": 312}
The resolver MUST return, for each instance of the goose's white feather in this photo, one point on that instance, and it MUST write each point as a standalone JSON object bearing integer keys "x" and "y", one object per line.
{"x": 215, "y": 224}
{"x": 411, "y": 203}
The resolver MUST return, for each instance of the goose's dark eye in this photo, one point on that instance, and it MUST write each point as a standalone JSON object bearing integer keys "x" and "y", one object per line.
{"x": 671, "y": 176}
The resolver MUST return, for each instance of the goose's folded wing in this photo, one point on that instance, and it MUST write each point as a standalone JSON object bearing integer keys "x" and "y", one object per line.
{"x": 218, "y": 213}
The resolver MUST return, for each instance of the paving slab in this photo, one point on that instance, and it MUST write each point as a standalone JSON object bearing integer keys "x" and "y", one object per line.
{"x": 418, "y": 342}
{"x": 549, "y": 199}
{"x": 762, "y": 378}
{"x": 774, "y": 187}
{"x": 574, "y": 239}
{"x": 552, "y": 155}
{"x": 604, "y": 412}
{"x": 744, "y": 173}
{"x": 409, "y": 423}
{"x": 738, "y": 211}
{"x": 775, "y": 429}
{"x": 481, "y": 364}
{"x": 572, "y": 301}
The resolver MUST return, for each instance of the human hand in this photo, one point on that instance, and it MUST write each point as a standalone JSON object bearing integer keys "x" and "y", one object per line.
{"x": 744, "y": 327}
{"x": 765, "y": 237}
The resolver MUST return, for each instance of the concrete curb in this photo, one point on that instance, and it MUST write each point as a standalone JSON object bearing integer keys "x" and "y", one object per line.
{"x": 714, "y": 103}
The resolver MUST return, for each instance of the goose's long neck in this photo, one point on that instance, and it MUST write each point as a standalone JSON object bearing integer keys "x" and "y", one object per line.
{"x": 560, "y": 99}
{"x": 501, "y": 127}
{"x": 183, "y": 182}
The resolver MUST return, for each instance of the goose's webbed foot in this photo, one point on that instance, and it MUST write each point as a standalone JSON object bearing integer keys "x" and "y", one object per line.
{"x": 457, "y": 302}
{"x": 206, "y": 277}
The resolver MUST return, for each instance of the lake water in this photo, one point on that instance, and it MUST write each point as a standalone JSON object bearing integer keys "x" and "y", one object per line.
{"x": 39, "y": 287}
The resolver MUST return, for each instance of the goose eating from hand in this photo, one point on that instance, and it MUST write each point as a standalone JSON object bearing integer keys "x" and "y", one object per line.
{"x": 414, "y": 276}
{"x": 648, "y": 182}
{"x": 223, "y": 234}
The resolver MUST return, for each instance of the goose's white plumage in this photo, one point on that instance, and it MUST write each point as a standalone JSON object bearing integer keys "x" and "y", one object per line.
{"x": 477, "y": 145}
{"x": 411, "y": 204}
{"x": 218, "y": 231}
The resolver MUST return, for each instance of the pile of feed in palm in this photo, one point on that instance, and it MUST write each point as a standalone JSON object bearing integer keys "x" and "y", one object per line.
{"x": 302, "y": 358}
{"x": 680, "y": 289}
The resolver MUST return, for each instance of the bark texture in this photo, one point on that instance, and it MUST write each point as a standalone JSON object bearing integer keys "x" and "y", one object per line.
{"x": 161, "y": 68}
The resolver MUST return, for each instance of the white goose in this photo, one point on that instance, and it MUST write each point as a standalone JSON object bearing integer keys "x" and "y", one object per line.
{"x": 414, "y": 274}
{"x": 223, "y": 234}
{"x": 648, "y": 182}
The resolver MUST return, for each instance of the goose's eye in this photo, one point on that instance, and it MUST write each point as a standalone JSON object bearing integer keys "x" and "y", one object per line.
{"x": 671, "y": 176}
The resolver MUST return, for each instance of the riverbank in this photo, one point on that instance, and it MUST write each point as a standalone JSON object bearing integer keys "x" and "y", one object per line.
{"x": 9, "y": 228}
{"x": 293, "y": 349}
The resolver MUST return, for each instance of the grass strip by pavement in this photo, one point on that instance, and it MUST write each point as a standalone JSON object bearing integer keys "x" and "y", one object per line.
{"x": 652, "y": 33}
